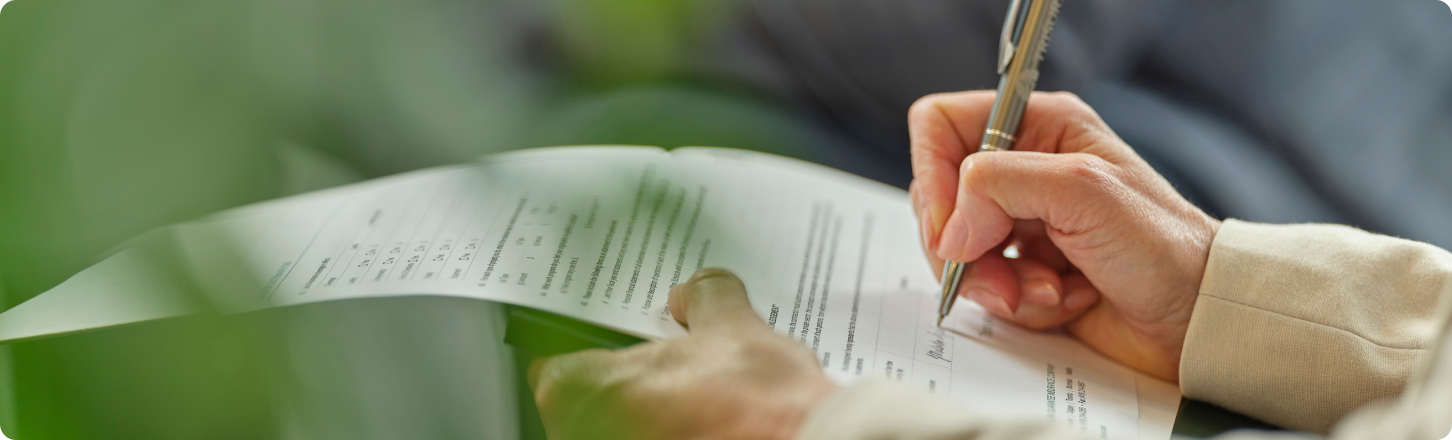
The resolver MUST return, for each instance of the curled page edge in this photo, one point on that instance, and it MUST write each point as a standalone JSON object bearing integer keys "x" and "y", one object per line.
{"x": 126, "y": 288}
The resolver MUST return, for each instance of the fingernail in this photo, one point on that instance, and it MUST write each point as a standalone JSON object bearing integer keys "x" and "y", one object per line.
{"x": 1043, "y": 293}
{"x": 1003, "y": 307}
{"x": 936, "y": 217}
{"x": 1079, "y": 300}
{"x": 925, "y": 230}
{"x": 991, "y": 302}
{"x": 913, "y": 197}
{"x": 955, "y": 233}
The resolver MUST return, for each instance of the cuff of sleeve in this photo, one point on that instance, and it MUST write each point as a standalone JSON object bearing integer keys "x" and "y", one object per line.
{"x": 1290, "y": 324}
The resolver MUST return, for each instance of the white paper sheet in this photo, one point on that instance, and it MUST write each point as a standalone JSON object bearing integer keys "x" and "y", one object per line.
{"x": 601, "y": 233}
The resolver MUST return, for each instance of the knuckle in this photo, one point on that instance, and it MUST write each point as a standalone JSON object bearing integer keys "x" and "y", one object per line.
{"x": 766, "y": 352}
{"x": 773, "y": 350}
{"x": 544, "y": 381}
{"x": 545, "y": 390}
{"x": 574, "y": 367}
{"x": 1070, "y": 98}
{"x": 974, "y": 172}
{"x": 1089, "y": 171}
{"x": 924, "y": 106}
{"x": 1075, "y": 108}
{"x": 569, "y": 373}
{"x": 672, "y": 355}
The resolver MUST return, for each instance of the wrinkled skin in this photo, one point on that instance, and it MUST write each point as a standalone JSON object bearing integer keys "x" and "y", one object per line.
{"x": 1107, "y": 248}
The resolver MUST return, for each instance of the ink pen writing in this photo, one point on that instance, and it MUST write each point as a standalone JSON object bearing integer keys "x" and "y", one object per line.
{"x": 1021, "y": 47}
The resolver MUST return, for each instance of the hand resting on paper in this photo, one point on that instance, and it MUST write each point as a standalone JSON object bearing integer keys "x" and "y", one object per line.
{"x": 1107, "y": 248}
{"x": 730, "y": 378}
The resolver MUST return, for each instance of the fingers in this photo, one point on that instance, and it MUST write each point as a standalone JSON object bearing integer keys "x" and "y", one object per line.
{"x": 998, "y": 284}
{"x": 1079, "y": 297}
{"x": 938, "y": 146}
{"x": 1079, "y": 293}
{"x": 1028, "y": 290}
{"x": 1003, "y": 285}
{"x": 583, "y": 364}
{"x": 991, "y": 282}
{"x": 1033, "y": 243}
{"x": 1070, "y": 193}
{"x": 714, "y": 300}
{"x": 1052, "y": 122}
{"x": 946, "y": 128}
{"x": 1037, "y": 283}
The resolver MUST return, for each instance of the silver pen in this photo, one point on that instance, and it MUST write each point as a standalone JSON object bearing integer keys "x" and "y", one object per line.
{"x": 1020, "y": 49}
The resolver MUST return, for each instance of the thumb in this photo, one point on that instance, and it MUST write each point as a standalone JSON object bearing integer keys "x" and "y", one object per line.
{"x": 713, "y": 300}
{"x": 1071, "y": 193}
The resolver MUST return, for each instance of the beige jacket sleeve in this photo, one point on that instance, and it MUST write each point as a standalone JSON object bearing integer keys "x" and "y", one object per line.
{"x": 1296, "y": 325}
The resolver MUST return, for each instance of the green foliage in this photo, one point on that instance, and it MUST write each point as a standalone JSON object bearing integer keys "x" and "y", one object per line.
{"x": 610, "y": 42}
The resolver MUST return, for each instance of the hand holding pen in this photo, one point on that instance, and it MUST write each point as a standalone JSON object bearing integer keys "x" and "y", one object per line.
{"x": 1021, "y": 46}
{"x": 1107, "y": 249}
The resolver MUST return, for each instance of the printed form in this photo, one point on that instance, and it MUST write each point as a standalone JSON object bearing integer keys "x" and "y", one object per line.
{"x": 602, "y": 233}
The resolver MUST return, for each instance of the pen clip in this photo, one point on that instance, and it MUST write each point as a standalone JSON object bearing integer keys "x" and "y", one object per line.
{"x": 1006, "y": 46}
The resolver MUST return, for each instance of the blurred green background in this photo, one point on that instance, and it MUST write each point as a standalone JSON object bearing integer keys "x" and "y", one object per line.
{"x": 120, "y": 117}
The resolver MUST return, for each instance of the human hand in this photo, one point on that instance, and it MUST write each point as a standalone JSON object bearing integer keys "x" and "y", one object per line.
{"x": 1107, "y": 248}
{"x": 731, "y": 378}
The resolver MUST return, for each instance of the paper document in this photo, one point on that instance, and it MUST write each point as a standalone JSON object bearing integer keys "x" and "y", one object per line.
{"x": 602, "y": 233}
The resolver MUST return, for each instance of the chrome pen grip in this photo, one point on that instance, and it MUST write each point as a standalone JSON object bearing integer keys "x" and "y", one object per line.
{"x": 952, "y": 274}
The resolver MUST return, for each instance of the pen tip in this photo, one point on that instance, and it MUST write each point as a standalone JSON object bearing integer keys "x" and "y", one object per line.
{"x": 940, "y": 320}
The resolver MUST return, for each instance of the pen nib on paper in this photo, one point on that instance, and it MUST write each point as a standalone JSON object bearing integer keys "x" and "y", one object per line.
{"x": 940, "y": 320}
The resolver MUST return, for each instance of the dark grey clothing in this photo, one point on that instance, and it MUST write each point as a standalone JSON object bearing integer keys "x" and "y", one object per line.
{"x": 1277, "y": 111}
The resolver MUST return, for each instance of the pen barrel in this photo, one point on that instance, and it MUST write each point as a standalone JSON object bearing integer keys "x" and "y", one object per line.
{"x": 952, "y": 274}
{"x": 1021, "y": 75}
